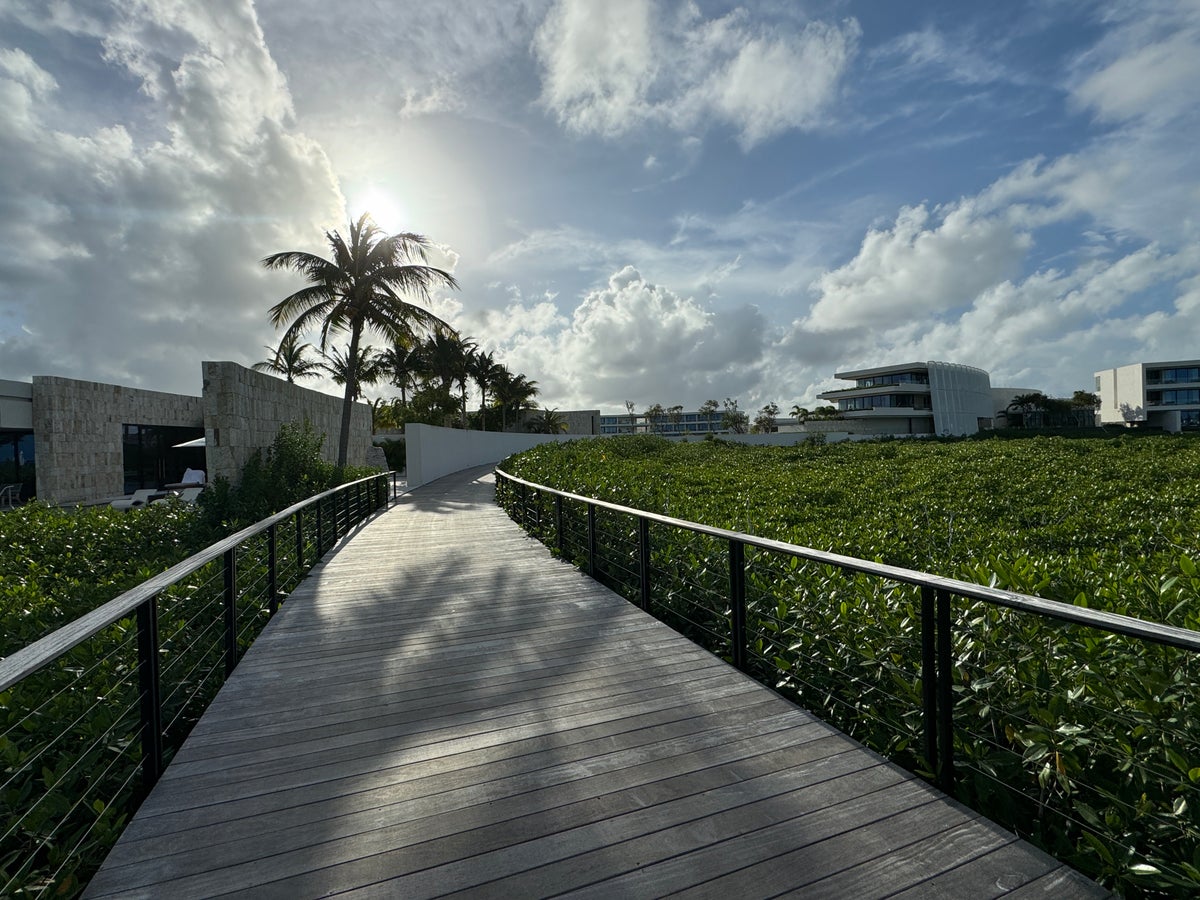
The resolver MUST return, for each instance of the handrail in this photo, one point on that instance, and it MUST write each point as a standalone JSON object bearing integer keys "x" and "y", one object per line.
{"x": 31, "y": 658}
{"x": 1168, "y": 635}
{"x": 941, "y": 686}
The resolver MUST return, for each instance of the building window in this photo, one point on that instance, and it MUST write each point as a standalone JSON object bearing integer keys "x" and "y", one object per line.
{"x": 897, "y": 378}
{"x": 1179, "y": 375}
{"x": 885, "y": 401}
{"x": 1189, "y": 419}
{"x": 151, "y": 458}
{"x": 17, "y": 461}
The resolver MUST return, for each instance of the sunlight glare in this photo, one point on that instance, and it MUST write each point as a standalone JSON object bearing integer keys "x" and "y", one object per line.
{"x": 388, "y": 213}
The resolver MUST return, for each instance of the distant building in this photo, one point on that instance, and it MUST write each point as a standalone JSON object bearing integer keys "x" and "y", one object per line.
{"x": 915, "y": 398}
{"x": 1162, "y": 395}
{"x": 684, "y": 423}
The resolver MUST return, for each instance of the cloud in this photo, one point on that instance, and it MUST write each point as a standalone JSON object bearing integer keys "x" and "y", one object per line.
{"x": 609, "y": 68}
{"x": 912, "y": 270}
{"x": 920, "y": 54}
{"x": 1145, "y": 68}
{"x": 629, "y": 340}
{"x": 140, "y": 248}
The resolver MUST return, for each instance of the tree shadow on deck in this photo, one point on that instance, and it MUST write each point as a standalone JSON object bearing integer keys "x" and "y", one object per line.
{"x": 443, "y": 703}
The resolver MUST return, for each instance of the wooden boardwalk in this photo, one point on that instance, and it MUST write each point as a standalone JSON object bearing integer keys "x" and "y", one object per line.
{"x": 443, "y": 708}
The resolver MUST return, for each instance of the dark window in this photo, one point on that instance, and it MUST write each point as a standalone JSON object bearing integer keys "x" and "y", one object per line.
{"x": 151, "y": 457}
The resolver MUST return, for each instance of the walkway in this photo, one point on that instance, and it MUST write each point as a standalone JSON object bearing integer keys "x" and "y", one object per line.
{"x": 443, "y": 708}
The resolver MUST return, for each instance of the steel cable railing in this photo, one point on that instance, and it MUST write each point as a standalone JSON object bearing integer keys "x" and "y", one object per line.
{"x": 1072, "y": 726}
{"x": 91, "y": 714}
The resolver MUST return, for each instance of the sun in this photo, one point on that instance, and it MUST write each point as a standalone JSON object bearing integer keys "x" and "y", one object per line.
{"x": 387, "y": 212}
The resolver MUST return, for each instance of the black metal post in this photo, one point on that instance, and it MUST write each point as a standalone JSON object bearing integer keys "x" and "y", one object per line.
{"x": 148, "y": 684}
{"x": 320, "y": 532}
{"x": 591, "y": 538}
{"x": 299, "y": 542}
{"x": 558, "y": 524}
{"x": 272, "y": 571}
{"x": 230, "y": 610}
{"x": 929, "y": 676}
{"x": 737, "y": 602}
{"x": 644, "y": 561}
{"x": 945, "y": 656}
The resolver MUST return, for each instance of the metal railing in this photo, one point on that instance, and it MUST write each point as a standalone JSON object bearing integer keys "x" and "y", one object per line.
{"x": 803, "y": 621}
{"x": 91, "y": 714}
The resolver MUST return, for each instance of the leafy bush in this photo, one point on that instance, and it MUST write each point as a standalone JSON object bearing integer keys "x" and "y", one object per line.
{"x": 1082, "y": 741}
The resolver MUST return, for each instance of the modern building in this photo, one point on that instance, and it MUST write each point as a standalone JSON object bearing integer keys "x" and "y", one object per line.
{"x": 1162, "y": 395}
{"x": 71, "y": 441}
{"x": 915, "y": 398}
{"x": 683, "y": 423}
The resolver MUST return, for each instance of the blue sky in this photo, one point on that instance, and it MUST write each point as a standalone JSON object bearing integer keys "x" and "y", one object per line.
{"x": 648, "y": 201}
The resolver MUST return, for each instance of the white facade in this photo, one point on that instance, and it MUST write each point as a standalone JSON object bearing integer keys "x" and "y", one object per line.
{"x": 916, "y": 398}
{"x": 1162, "y": 395}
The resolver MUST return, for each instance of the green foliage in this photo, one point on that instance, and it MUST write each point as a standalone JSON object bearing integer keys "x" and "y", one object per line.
{"x": 291, "y": 470}
{"x": 1082, "y": 741}
{"x": 395, "y": 453}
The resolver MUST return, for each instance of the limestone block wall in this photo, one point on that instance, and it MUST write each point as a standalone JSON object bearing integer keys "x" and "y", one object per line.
{"x": 77, "y": 433}
{"x": 244, "y": 409}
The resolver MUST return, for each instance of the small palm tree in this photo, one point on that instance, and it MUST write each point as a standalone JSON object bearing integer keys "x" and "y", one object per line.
{"x": 400, "y": 366}
{"x": 367, "y": 365}
{"x": 360, "y": 289}
{"x": 548, "y": 422}
{"x": 800, "y": 413}
{"x": 289, "y": 360}
{"x": 513, "y": 393}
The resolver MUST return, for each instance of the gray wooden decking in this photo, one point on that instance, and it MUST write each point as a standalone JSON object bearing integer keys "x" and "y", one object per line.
{"x": 444, "y": 708}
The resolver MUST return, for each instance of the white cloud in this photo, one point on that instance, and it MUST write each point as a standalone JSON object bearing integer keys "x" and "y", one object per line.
{"x": 630, "y": 340}
{"x": 140, "y": 250}
{"x": 1145, "y": 68}
{"x": 608, "y": 68}
{"x": 912, "y": 270}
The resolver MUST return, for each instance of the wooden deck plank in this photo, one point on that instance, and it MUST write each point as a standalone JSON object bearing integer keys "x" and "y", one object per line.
{"x": 441, "y": 707}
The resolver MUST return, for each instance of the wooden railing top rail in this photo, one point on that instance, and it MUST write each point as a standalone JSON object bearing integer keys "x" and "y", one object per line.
{"x": 1168, "y": 635}
{"x": 28, "y": 660}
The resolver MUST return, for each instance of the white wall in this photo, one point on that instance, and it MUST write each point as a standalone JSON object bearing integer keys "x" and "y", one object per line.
{"x": 960, "y": 396}
{"x": 432, "y": 452}
{"x": 1123, "y": 394}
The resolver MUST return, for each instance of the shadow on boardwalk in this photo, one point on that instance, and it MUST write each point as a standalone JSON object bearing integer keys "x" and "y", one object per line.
{"x": 442, "y": 707}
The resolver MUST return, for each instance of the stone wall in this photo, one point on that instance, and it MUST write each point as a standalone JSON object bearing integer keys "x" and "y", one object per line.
{"x": 77, "y": 433}
{"x": 243, "y": 410}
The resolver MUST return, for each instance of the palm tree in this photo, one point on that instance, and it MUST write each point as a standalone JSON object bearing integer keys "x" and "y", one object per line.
{"x": 445, "y": 356}
{"x": 515, "y": 392}
{"x": 288, "y": 360}
{"x": 368, "y": 367}
{"x": 485, "y": 371}
{"x": 800, "y": 413}
{"x": 400, "y": 366}
{"x": 548, "y": 422}
{"x": 358, "y": 289}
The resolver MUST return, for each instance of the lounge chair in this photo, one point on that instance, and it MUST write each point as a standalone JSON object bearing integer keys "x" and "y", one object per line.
{"x": 139, "y": 498}
{"x": 187, "y": 495}
{"x": 10, "y": 495}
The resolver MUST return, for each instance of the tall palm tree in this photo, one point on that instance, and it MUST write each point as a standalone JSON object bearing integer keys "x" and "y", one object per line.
{"x": 513, "y": 392}
{"x": 367, "y": 366}
{"x": 358, "y": 289}
{"x": 799, "y": 412}
{"x": 485, "y": 371}
{"x": 288, "y": 360}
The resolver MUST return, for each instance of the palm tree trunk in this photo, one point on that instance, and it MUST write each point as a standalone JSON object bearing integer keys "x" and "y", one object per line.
{"x": 351, "y": 390}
